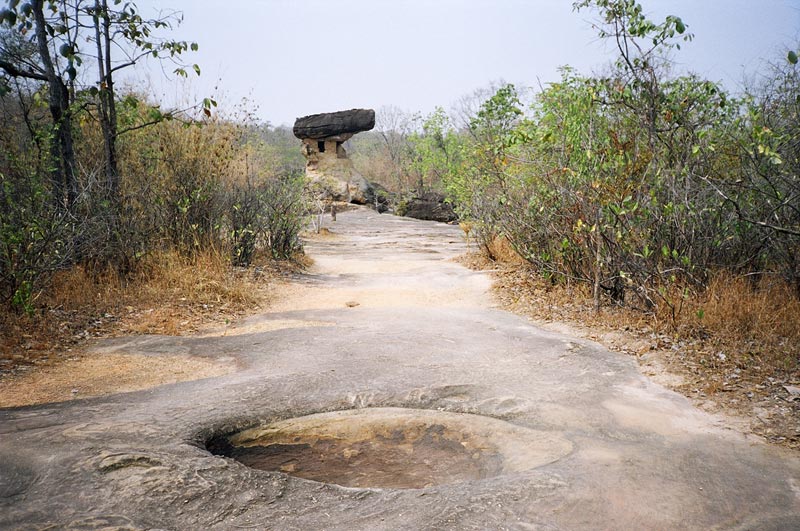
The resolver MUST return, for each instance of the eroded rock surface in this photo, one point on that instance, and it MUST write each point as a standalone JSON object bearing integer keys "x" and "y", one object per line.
{"x": 334, "y": 125}
{"x": 429, "y": 207}
{"x": 328, "y": 167}
{"x": 622, "y": 452}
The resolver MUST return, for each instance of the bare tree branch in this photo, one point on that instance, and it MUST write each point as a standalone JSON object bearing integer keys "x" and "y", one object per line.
{"x": 12, "y": 70}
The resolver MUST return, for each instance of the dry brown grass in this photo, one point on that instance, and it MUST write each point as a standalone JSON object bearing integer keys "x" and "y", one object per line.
{"x": 176, "y": 294}
{"x": 500, "y": 250}
{"x": 168, "y": 294}
{"x": 762, "y": 319}
{"x": 734, "y": 347}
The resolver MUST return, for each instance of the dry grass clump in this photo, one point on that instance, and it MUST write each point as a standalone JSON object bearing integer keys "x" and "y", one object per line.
{"x": 499, "y": 249}
{"x": 168, "y": 293}
{"x": 734, "y": 346}
{"x": 175, "y": 294}
{"x": 763, "y": 319}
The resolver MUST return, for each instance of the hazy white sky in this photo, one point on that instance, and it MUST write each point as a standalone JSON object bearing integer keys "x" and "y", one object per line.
{"x": 296, "y": 57}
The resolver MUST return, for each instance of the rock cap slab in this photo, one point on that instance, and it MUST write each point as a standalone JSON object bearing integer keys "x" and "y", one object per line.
{"x": 331, "y": 124}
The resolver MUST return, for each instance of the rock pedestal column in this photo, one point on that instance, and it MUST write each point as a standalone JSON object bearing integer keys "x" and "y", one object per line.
{"x": 323, "y": 136}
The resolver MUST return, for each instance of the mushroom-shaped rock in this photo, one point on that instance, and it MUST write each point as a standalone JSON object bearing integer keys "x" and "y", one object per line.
{"x": 333, "y": 124}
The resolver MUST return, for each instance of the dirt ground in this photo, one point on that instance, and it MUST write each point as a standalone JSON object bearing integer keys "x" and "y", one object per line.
{"x": 765, "y": 409}
{"x": 64, "y": 366}
{"x": 386, "y": 322}
{"x": 85, "y": 375}
{"x": 754, "y": 402}
{"x": 78, "y": 372}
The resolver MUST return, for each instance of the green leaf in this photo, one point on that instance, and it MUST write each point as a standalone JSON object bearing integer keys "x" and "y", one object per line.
{"x": 680, "y": 27}
{"x": 792, "y": 57}
{"x": 154, "y": 114}
{"x": 194, "y": 46}
{"x": 130, "y": 101}
{"x": 196, "y": 69}
{"x": 10, "y": 16}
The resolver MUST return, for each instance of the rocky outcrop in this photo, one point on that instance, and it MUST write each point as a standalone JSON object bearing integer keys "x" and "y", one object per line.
{"x": 429, "y": 206}
{"x": 328, "y": 167}
{"x": 339, "y": 181}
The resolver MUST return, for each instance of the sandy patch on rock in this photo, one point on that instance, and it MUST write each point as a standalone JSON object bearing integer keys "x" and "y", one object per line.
{"x": 395, "y": 291}
{"x": 257, "y": 327}
{"x": 103, "y": 374}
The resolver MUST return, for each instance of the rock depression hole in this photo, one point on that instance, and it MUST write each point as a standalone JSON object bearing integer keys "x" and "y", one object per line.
{"x": 392, "y": 447}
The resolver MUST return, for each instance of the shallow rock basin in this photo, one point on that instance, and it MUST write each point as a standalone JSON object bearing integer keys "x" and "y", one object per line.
{"x": 392, "y": 447}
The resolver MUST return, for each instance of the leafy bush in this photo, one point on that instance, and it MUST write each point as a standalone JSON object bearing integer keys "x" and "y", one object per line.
{"x": 271, "y": 214}
{"x": 640, "y": 184}
{"x": 35, "y": 238}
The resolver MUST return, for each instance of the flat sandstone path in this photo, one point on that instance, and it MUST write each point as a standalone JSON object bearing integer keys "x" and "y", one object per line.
{"x": 394, "y": 336}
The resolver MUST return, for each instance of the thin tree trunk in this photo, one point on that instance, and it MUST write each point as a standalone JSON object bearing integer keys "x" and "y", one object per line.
{"x": 108, "y": 115}
{"x": 112, "y": 106}
{"x": 598, "y": 260}
{"x": 61, "y": 148}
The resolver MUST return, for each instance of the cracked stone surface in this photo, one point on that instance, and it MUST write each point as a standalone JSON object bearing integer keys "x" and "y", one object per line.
{"x": 423, "y": 336}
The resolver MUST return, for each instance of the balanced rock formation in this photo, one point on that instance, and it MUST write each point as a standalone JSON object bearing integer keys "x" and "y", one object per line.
{"x": 328, "y": 165}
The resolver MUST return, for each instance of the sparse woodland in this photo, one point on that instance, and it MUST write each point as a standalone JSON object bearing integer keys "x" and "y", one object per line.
{"x": 658, "y": 196}
{"x": 662, "y": 200}
{"x": 107, "y": 197}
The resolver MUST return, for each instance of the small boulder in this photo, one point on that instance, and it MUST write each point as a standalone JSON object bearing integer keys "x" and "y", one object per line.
{"x": 429, "y": 206}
